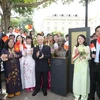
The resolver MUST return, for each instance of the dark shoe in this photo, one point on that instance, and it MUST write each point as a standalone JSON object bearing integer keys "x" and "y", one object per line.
{"x": 34, "y": 93}
{"x": 89, "y": 98}
{"x": 45, "y": 93}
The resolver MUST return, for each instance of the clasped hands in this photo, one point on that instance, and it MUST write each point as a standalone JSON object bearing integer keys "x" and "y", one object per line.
{"x": 38, "y": 53}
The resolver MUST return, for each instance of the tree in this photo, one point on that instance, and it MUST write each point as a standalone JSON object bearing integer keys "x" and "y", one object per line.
{"x": 20, "y": 6}
{"x": 25, "y": 20}
{"x": 23, "y": 6}
{"x": 14, "y": 22}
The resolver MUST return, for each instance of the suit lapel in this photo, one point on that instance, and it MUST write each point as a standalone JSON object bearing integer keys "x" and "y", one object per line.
{"x": 37, "y": 48}
{"x": 43, "y": 48}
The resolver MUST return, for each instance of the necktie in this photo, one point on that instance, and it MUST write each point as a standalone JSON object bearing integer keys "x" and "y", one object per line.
{"x": 40, "y": 47}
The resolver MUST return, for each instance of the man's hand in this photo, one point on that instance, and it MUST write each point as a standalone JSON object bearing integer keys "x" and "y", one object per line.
{"x": 41, "y": 56}
{"x": 93, "y": 55}
{"x": 37, "y": 54}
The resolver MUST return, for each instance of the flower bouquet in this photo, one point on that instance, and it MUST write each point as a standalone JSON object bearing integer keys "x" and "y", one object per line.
{"x": 79, "y": 54}
{"x": 82, "y": 54}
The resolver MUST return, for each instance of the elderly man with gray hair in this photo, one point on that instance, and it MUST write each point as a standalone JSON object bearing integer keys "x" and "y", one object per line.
{"x": 41, "y": 55}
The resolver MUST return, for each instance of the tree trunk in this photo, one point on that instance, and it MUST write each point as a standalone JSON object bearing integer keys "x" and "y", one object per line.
{"x": 2, "y": 22}
{"x": 6, "y": 15}
{"x": 6, "y": 22}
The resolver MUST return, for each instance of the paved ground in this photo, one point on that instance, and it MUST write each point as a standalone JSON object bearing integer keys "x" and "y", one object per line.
{"x": 28, "y": 96}
{"x": 51, "y": 96}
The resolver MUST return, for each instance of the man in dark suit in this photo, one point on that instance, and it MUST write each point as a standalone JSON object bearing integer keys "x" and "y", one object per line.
{"x": 95, "y": 66}
{"x": 41, "y": 54}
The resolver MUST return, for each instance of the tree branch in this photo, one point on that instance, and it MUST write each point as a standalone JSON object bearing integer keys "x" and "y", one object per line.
{"x": 30, "y": 5}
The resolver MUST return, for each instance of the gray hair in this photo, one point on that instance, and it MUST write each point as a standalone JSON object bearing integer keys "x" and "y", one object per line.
{"x": 40, "y": 37}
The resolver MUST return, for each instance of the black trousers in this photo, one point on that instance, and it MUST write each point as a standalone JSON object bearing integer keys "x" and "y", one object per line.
{"x": 94, "y": 80}
{"x": 41, "y": 77}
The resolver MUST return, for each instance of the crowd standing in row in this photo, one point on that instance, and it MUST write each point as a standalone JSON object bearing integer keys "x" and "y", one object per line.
{"x": 26, "y": 65}
{"x": 26, "y": 62}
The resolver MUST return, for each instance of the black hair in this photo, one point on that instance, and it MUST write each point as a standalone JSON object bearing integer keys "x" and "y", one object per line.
{"x": 97, "y": 28}
{"x": 6, "y": 43}
{"x": 29, "y": 37}
{"x": 30, "y": 33}
{"x": 39, "y": 34}
{"x": 66, "y": 35}
{"x": 21, "y": 37}
{"x": 93, "y": 34}
{"x": 55, "y": 35}
{"x": 84, "y": 43}
{"x": 48, "y": 34}
{"x": 10, "y": 27}
{"x": 12, "y": 35}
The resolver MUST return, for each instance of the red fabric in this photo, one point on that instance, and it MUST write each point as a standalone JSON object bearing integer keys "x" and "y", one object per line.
{"x": 29, "y": 26}
{"x": 17, "y": 43}
{"x": 17, "y": 48}
{"x": 5, "y": 38}
{"x": 16, "y": 30}
{"x": 92, "y": 45}
{"x": 24, "y": 46}
{"x": 66, "y": 47}
{"x": 76, "y": 56}
{"x": 98, "y": 39}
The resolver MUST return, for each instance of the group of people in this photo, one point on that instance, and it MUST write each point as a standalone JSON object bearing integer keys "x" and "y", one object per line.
{"x": 86, "y": 80}
{"x": 26, "y": 64}
{"x": 19, "y": 66}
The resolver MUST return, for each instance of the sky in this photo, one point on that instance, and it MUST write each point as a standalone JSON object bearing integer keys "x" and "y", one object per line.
{"x": 73, "y": 8}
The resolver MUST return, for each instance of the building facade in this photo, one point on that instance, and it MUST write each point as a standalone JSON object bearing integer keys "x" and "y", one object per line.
{"x": 62, "y": 23}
